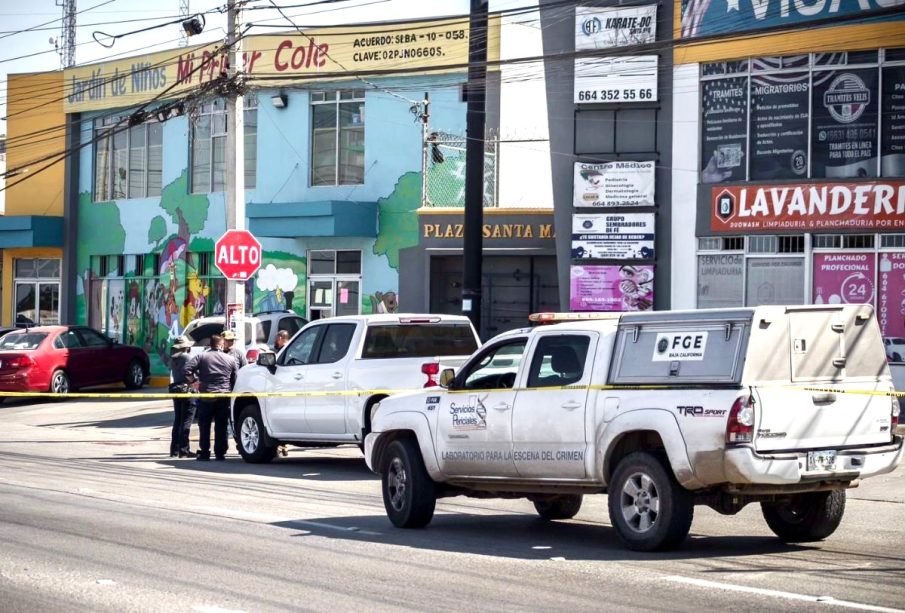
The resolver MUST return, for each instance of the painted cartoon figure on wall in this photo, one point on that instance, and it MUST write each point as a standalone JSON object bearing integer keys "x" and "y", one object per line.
{"x": 384, "y": 302}
{"x": 196, "y": 294}
{"x": 278, "y": 285}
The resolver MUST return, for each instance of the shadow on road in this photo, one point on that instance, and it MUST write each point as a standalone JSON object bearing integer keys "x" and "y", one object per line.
{"x": 159, "y": 419}
{"x": 526, "y": 537}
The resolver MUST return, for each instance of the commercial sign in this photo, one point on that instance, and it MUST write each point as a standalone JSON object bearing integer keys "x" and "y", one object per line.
{"x": 324, "y": 53}
{"x": 615, "y": 79}
{"x": 779, "y": 126}
{"x": 872, "y": 205}
{"x": 844, "y": 278}
{"x": 611, "y": 288}
{"x": 617, "y": 236}
{"x": 724, "y": 138}
{"x": 892, "y": 148}
{"x": 844, "y": 138}
{"x": 603, "y": 28}
{"x": 891, "y": 296}
{"x": 613, "y": 184}
{"x": 708, "y": 17}
{"x": 720, "y": 280}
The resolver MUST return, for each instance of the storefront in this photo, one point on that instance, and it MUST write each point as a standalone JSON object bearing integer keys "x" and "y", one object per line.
{"x": 798, "y": 185}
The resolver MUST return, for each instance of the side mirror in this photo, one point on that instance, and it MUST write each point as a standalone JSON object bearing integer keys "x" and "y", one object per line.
{"x": 267, "y": 359}
{"x": 447, "y": 376}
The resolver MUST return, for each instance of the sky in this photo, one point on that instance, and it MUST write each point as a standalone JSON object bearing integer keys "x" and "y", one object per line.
{"x": 112, "y": 17}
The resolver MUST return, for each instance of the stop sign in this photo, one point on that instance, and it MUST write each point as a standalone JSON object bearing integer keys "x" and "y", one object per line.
{"x": 237, "y": 254}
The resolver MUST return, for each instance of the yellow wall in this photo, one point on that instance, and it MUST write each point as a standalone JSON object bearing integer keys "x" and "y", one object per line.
{"x": 852, "y": 37}
{"x": 9, "y": 290}
{"x": 35, "y": 129}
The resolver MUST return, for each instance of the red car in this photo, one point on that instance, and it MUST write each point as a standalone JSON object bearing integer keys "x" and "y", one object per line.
{"x": 65, "y": 358}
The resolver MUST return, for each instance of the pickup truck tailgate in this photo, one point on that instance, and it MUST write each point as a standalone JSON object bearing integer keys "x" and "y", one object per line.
{"x": 795, "y": 418}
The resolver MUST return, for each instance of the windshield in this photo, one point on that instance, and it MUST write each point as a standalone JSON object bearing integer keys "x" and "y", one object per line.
{"x": 21, "y": 340}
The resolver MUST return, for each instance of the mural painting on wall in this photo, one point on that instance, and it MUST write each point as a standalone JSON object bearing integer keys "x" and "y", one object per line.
{"x": 280, "y": 283}
{"x": 384, "y": 302}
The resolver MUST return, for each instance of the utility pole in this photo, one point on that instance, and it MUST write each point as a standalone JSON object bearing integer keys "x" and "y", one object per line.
{"x": 66, "y": 47}
{"x": 474, "y": 162}
{"x": 184, "y": 14}
{"x": 235, "y": 153}
{"x": 425, "y": 114}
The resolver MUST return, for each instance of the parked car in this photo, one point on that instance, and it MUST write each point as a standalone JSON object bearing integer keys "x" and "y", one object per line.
{"x": 260, "y": 330}
{"x": 335, "y": 357}
{"x": 895, "y": 348}
{"x": 62, "y": 359}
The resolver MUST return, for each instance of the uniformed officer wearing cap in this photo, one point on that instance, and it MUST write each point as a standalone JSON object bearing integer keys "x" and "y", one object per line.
{"x": 229, "y": 339}
{"x": 183, "y": 408}
{"x": 216, "y": 371}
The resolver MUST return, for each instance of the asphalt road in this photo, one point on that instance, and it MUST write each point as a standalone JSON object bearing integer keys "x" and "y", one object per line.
{"x": 95, "y": 515}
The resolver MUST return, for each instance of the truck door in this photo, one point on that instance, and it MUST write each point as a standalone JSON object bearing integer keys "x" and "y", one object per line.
{"x": 325, "y": 411}
{"x": 286, "y": 414}
{"x": 474, "y": 425}
{"x": 549, "y": 437}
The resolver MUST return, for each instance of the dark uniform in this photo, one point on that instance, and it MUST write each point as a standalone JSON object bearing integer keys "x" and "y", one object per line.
{"x": 184, "y": 408}
{"x": 216, "y": 372}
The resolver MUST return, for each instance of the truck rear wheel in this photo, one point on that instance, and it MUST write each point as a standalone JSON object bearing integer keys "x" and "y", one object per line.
{"x": 566, "y": 506}
{"x": 648, "y": 508}
{"x": 806, "y": 517}
{"x": 255, "y": 446}
{"x": 409, "y": 494}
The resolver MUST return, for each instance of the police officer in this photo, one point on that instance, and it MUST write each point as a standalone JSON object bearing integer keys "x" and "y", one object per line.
{"x": 216, "y": 372}
{"x": 229, "y": 340}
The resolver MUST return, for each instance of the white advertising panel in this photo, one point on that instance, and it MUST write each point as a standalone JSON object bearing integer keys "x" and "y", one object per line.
{"x": 686, "y": 346}
{"x": 603, "y": 28}
{"x": 613, "y": 236}
{"x": 615, "y": 79}
{"x": 613, "y": 184}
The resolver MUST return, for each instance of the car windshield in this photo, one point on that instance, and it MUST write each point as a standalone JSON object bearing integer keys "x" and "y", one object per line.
{"x": 21, "y": 340}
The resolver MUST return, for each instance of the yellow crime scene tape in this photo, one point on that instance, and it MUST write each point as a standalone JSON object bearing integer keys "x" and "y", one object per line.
{"x": 389, "y": 392}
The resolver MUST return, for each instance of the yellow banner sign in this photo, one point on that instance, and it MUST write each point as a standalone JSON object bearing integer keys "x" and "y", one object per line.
{"x": 336, "y": 53}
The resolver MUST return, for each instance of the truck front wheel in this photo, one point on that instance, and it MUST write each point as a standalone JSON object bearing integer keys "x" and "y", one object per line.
{"x": 255, "y": 446}
{"x": 409, "y": 494}
{"x": 648, "y": 508}
{"x": 805, "y": 517}
{"x": 566, "y": 506}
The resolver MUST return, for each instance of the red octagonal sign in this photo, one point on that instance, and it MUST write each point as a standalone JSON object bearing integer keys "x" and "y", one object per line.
{"x": 237, "y": 254}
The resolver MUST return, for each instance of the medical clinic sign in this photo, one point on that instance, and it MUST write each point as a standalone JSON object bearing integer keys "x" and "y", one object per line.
{"x": 875, "y": 205}
{"x": 237, "y": 255}
{"x": 322, "y": 53}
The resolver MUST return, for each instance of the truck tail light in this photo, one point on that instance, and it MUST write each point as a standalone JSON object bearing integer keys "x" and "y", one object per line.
{"x": 740, "y": 427}
{"x": 431, "y": 369}
{"x": 252, "y": 355}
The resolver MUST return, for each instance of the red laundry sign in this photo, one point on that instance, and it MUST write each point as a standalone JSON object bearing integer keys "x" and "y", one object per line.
{"x": 237, "y": 254}
{"x": 873, "y": 205}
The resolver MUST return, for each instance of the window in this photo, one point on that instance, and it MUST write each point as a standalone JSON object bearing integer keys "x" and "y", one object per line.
{"x": 558, "y": 360}
{"x": 129, "y": 162}
{"x": 37, "y": 291}
{"x": 418, "y": 341}
{"x": 290, "y": 325}
{"x": 496, "y": 368}
{"x": 209, "y": 146}
{"x": 68, "y": 340}
{"x": 821, "y": 115}
{"x": 301, "y": 350}
{"x": 338, "y": 137}
{"x": 90, "y": 338}
{"x": 336, "y": 343}
{"x": 22, "y": 340}
{"x": 334, "y": 283}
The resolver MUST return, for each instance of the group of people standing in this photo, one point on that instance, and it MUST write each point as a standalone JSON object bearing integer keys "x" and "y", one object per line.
{"x": 214, "y": 370}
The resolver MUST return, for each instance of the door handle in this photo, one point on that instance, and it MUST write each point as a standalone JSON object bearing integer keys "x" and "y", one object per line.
{"x": 337, "y": 375}
{"x": 828, "y": 398}
{"x": 571, "y": 405}
{"x": 299, "y": 377}
{"x": 502, "y": 406}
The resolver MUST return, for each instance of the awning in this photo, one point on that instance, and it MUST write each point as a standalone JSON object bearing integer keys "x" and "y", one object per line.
{"x": 18, "y": 231}
{"x": 304, "y": 219}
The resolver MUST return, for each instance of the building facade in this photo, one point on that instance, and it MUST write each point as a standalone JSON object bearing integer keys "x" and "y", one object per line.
{"x": 789, "y": 154}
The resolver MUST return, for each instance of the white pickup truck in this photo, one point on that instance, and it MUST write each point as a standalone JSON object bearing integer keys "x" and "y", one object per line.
{"x": 339, "y": 368}
{"x": 785, "y": 406}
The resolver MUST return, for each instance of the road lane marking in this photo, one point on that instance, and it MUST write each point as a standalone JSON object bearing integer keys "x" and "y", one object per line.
{"x": 827, "y": 600}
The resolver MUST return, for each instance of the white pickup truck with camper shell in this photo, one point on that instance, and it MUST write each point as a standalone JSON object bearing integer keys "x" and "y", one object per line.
{"x": 784, "y": 406}
{"x": 330, "y": 374}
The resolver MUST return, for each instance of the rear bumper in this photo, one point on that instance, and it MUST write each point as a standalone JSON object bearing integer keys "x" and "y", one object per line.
{"x": 745, "y": 466}
{"x": 21, "y": 382}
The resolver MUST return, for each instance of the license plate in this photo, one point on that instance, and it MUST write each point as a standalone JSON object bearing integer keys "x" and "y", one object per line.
{"x": 821, "y": 460}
